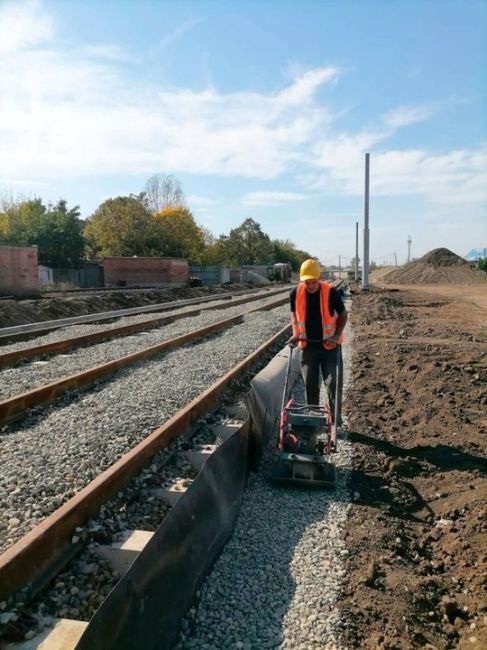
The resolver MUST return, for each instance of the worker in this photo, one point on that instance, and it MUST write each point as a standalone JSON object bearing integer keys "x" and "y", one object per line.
{"x": 318, "y": 318}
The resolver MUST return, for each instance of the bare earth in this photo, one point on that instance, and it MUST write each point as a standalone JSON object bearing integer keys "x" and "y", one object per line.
{"x": 418, "y": 419}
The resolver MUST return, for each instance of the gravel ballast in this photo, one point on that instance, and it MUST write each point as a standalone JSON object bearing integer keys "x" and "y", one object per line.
{"x": 36, "y": 373}
{"x": 277, "y": 581}
{"x": 53, "y": 454}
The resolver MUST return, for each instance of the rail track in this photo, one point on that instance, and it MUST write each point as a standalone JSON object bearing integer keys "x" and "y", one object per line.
{"x": 20, "y": 332}
{"x": 28, "y": 564}
{"x": 15, "y": 406}
{"x": 37, "y": 556}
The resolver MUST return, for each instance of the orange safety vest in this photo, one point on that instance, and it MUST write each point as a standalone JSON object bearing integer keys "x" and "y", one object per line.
{"x": 328, "y": 320}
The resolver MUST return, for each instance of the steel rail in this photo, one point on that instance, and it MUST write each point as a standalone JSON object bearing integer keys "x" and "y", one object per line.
{"x": 33, "y": 560}
{"x": 19, "y": 331}
{"x": 9, "y": 358}
{"x": 15, "y": 407}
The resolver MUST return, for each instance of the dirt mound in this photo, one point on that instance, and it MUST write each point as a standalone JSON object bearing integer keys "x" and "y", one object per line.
{"x": 439, "y": 266}
{"x": 19, "y": 312}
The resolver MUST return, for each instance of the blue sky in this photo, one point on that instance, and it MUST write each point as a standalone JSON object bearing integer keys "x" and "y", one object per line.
{"x": 261, "y": 109}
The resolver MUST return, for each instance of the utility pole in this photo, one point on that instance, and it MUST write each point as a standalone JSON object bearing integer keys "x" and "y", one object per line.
{"x": 339, "y": 266}
{"x": 395, "y": 258}
{"x": 356, "y": 251}
{"x": 410, "y": 241}
{"x": 365, "y": 274}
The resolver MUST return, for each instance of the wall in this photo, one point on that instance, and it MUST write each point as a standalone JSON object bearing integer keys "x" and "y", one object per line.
{"x": 88, "y": 276}
{"x": 145, "y": 271}
{"x": 211, "y": 275}
{"x": 46, "y": 276}
{"x": 19, "y": 272}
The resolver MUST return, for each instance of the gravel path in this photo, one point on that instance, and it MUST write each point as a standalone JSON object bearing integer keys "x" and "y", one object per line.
{"x": 276, "y": 583}
{"x": 33, "y": 374}
{"x": 51, "y": 455}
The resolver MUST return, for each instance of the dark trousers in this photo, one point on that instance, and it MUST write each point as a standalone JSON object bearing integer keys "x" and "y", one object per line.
{"x": 316, "y": 361}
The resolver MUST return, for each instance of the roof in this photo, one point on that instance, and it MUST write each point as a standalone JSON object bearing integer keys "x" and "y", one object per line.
{"x": 476, "y": 253}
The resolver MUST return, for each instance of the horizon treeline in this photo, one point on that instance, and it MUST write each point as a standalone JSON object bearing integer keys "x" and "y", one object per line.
{"x": 155, "y": 222}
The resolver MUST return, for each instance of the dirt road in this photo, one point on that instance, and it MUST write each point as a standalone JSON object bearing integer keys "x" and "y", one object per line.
{"x": 418, "y": 418}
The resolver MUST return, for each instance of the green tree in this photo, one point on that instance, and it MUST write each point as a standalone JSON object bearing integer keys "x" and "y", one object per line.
{"x": 55, "y": 230}
{"x": 246, "y": 244}
{"x": 175, "y": 234}
{"x": 286, "y": 251}
{"x": 60, "y": 240}
{"x": 212, "y": 254}
{"x": 20, "y": 222}
{"x": 119, "y": 227}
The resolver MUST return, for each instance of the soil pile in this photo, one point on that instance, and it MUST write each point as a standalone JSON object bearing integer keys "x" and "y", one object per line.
{"x": 439, "y": 266}
{"x": 18, "y": 312}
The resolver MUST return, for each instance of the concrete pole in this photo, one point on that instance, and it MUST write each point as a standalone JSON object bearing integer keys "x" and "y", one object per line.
{"x": 395, "y": 258}
{"x": 365, "y": 275}
{"x": 356, "y": 251}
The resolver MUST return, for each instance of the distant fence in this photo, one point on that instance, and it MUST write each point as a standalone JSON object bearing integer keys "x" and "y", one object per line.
{"x": 210, "y": 275}
{"x": 214, "y": 275}
{"x": 90, "y": 275}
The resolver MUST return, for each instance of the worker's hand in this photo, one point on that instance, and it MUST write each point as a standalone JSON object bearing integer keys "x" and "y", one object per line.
{"x": 292, "y": 341}
{"x": 333, "y": 340}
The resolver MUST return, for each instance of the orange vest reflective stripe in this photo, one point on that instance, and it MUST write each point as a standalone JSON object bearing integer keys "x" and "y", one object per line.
{"x": 328, "y": 320}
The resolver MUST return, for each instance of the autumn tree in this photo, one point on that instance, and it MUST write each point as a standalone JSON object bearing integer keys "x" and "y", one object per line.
{"x": 161, "y": 192}
{"x": 119, "y": 227}
{"x": 20, "y": 221}
{"x": 176, "y": 234}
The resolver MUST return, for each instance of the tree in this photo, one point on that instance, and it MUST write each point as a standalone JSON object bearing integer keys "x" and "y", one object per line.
{"x": 119, "y": 227}
{"x": 286, "y": 251}
{"x": 55, "y": 230}
{"x": 20, "y": 222}
{"x": 246, "y": 244}
{"x": 175, "y": 234}
{"x": 163, "y": 191}
{"x": 212, "y": 254}
{"x": 60, "y": 240}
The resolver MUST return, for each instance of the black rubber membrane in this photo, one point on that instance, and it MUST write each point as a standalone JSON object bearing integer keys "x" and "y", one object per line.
{"x": 146, "y": 607}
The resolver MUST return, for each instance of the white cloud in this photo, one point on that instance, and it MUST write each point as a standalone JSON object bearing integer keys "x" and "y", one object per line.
{"x": 305, "y": 85}
{"x": 68, "y": 113}
{"x": 458, "y": 176}
{"x": 23, "y": 25}
{"x": 107, "y": 51}
{"x": 406, "y": 115}
{"x": 271, "y": 198}
{"x": 200, "y": 201}
{"x": 68, "y": 116}
{"x": 172, "y": 36}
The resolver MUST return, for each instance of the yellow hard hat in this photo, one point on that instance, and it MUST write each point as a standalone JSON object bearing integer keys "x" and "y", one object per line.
{"x": 310, "y": 270}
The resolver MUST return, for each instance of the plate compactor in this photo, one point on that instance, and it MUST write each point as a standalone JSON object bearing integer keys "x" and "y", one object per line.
{"x": 307, "y": 438}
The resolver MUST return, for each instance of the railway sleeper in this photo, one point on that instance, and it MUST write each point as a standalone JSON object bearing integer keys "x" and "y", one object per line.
{"x": 220, "y": 492}
{"x": 66, "y": 633}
